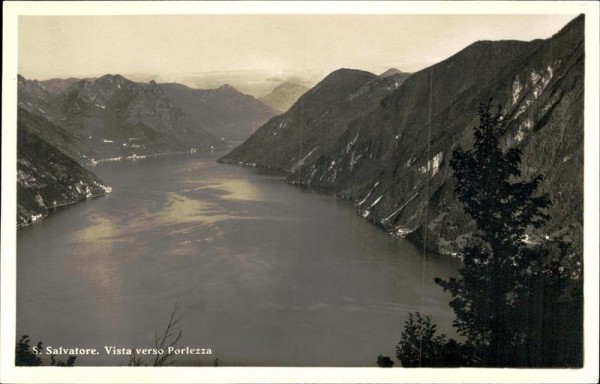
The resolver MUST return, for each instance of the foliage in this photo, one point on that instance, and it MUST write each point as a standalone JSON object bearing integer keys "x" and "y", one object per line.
{"x": 384, "y": 361}
{"x": 23, "y": 354}
{"x": 485, "y": 183}
{"x": 419, "y": 344}
{"x": 26, "y": 356}
{"x": 517, "y": 302}
{"x": 502, "y": 278}
{"x": 57, "y": 363}
{"x": 549, "y": 311}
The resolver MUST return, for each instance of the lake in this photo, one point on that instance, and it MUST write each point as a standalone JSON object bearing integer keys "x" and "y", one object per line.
{"x": 264, "y": 273}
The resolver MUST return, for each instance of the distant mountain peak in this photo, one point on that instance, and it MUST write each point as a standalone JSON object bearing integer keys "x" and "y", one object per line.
{"x": 392, "y": 72}
{"x": 349, "y": 71}
{"x": 324, "y": 111}
{"x": 227, "y": 87}
{"x": 343, "y": 75}
{"x": 112, "y": 79}
{"x": 224, "y": 111}
{"x": 108, "y": 76}
{"x": 283, "y": 96}
{"x": 289, "y": 86}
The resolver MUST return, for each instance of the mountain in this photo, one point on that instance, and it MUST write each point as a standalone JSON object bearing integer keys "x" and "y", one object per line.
{"x": 393, "y": 157}
{"x": 54, "y": 135}
{"x": 82, "y": 121}
{"x": 112, "y": 117}
{"x": 394, "y": 72}
{"x": 46, "y": 177}
{"x": 540, "y": 87}
{"x": 58, "y": 86}
{"x": 34, "y": 98}
{"x": 314, "y": 123}
{"x": 284, "y": 96}
{"x": 224, "y": 112}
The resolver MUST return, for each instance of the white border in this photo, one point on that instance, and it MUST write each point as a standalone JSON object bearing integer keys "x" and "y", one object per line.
{"x": 9, "y": 373}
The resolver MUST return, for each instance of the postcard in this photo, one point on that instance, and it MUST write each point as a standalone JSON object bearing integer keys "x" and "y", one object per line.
{"x": 300, "y": 192}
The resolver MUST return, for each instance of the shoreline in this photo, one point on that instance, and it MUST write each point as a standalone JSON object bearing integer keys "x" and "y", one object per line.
{"x": 42, "y": 216}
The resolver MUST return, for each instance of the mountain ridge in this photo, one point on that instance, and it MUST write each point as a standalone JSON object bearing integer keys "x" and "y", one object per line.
{"x": 379, "y": 159}
{"x": 113, "y": 117}
{"x": 328, "y": 107}
{"x": 225, "y": 112}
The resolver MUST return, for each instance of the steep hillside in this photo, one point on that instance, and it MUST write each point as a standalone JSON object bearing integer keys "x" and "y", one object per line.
{"x": 314, "y": 123}
{"x": 284, "y": 96}
{"x": 224, "y": 112}
{"x": 383, "y": 161}
{"x": 112, "y": 117}
{"x": 64, "y": 141}
{"x": 34, "y": 98}
{"x": 387, "y": 147}
{"x": 47, "y": 178}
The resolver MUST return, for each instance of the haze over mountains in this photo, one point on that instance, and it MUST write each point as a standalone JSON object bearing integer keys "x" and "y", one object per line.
{"x": 368, "y": 141}
{"x": 257, "y": 83}
{"x": 284, "y": 96}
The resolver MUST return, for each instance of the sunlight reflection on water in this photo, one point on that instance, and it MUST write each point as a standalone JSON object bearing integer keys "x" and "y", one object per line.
{"x": 265, "y": 273}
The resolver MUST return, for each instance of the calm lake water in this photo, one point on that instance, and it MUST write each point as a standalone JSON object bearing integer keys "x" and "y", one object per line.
{"x": 264, "y": 273}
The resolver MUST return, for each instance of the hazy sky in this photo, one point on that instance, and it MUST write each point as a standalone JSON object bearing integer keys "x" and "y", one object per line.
{"x": 170, "y": 46}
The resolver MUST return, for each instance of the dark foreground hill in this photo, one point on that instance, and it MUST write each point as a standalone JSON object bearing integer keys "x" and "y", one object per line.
{"x": 47, "y": 178}
{"x": 389, "y": 152}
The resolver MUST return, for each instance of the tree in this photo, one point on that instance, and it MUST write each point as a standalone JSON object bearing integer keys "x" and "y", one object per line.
{"x": 384, "y": 362}
{"x": 549, "y": 307}
{"x": 27, "y": 356}
{"x": 420, "y": 345}
{"x": 24, "y": 355}
{"x": 497, "y": 263}
{"x": 169, "y": 338}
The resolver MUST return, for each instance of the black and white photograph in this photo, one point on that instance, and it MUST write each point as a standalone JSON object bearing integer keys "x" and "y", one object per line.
{"x": 352, "y": 191}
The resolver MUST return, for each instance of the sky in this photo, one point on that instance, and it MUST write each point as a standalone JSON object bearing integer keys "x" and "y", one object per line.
{"x": 181, "y": 47}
